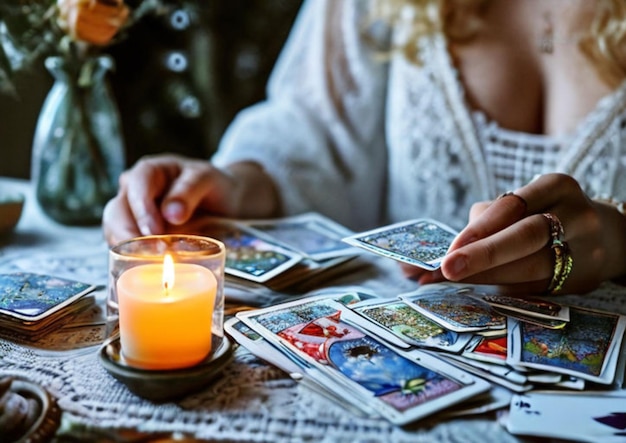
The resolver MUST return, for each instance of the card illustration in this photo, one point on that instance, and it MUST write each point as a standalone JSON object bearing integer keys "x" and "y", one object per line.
{"x": 420, "y": 242}
{"x": 584, "y": 347}
{"x": 250, "y": 257}
{"x": 411, "y": 326}
{"x": 529, "y": 306}
{"x": 32, "y": 297}
{"x": 311, "y": 235}
{"x": 586, "y": 417}
{"x": 488, "y": 349}
{"x": 455, "y": 308}
{"x": 323, "y": 332}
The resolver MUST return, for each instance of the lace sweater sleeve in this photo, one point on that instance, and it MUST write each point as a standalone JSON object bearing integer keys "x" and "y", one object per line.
{"x": 320, "y": 131}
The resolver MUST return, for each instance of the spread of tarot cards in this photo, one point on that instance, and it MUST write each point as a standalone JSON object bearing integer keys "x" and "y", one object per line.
{"x": 420, "y": 242}
{"x": 333, "y": 347}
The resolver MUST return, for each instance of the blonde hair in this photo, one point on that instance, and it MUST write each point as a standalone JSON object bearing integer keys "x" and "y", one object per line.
{"x": 604, "y": 43}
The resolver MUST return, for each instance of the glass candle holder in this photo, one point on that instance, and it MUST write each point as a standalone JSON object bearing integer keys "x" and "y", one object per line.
{"x": 166, "y": 299}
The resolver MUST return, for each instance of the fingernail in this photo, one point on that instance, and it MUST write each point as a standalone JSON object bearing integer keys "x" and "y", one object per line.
{"x": 466, "y": 241}
{"x": 174, "y": 211}
{"x": 458, "y": 265}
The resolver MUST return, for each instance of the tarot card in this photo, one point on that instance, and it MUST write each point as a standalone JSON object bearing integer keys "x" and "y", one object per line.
{"x": 587, "y": 347}
{"x": 251, "y": 340}
{"x": 421, "y": 242}
{"x": 326, "y": 336}
{"x": 485, "y": 372}
{"x": 488, "y": 349}
{"x": 529, "y": 306}
{"x": 455, "y": 307}
{"x": 543, "y": 322}
{"x": 258, "y": 346}
{"x": 249, "y": 256}
{"x": 493, "y": 351}
{"x": 586, "y": 417}
{"x": 496, "y": 398}
{"x": 31, "y": 297}
{"x": 394, "y": 319}
{"x": 311, "y": 235}
{"x": 496, "y": 370}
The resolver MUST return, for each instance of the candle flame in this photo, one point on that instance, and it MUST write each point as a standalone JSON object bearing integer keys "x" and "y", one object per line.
{"x": 168, "y": 272}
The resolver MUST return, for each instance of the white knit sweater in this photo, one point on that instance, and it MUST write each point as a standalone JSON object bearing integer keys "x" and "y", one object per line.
{"x": 369, "y": 142}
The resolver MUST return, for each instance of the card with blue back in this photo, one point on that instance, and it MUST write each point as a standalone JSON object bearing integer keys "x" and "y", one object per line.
{"x": 32, "y": 297}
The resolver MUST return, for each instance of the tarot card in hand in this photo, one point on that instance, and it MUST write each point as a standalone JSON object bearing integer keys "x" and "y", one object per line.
{"x": 325, "y": 335}
{"x": 394, "y": 319}
{"x": 455, "y": 307}
{"x": 248, "y": 255}
{"x": 421, "y": 242}
{"x": 587, "y": 347}
{"x": 30, "y": 297}
{"x": 311, "y": 235}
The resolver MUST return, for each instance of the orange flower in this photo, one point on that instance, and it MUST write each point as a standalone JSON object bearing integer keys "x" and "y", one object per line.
{"x": 92, "y": 21}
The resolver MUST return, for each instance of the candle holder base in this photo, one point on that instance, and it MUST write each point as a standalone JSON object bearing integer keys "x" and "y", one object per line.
{"x": 164, "y": 385}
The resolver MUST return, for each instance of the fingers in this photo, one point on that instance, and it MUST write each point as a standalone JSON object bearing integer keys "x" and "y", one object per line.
{"x": 144, "y": 186}
{"x": 503, "y": 250}
{"x": 508, "y": 241}
{"x": 548, "y": 191}
{"x": 489, "y": 218}
{"x": 421, "y": 275}
{"x": 165, "y": 191}
{"x": 413, "y": 272}
{"x": 118, "y": 222}
{"x": 199, "y": 185}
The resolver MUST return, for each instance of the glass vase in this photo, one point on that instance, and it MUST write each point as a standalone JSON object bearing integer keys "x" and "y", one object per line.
{"x": 78, "y": 150}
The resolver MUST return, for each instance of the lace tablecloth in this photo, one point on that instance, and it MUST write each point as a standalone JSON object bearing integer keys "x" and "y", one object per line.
{"x": 250, "y": 401}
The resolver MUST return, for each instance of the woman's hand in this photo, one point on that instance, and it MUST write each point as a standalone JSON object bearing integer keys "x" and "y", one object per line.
{"x": 507, "y": 241}
{"x": 167, "y": 192}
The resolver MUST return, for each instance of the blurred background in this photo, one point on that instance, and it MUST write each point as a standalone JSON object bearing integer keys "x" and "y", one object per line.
{"x": 179, "y": 79}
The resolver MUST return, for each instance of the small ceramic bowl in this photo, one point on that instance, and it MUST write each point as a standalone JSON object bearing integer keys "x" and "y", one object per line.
{"x": 11, "y": 205}
{"x": 164, "y": 385}
{"x": 47, "y": 414}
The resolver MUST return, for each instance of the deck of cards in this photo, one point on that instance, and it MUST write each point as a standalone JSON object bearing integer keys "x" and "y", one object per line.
{"x": 33, "y": 305}
{"x": 281, "y": 253}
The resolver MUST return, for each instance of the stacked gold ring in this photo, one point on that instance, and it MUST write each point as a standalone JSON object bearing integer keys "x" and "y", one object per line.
{"x": 563, "y": 262}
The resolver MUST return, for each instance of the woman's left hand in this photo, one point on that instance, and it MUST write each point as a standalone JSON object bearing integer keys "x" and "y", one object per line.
{"x": 508, "y": 241}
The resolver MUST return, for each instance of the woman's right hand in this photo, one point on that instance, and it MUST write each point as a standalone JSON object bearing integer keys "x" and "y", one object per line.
{"x": 170, "y": 190}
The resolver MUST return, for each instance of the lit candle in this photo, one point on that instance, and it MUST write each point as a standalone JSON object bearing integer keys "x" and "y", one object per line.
{"x": 165, "y": 314}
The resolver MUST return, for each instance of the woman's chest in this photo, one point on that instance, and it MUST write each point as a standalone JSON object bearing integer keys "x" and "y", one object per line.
{"x": 508, "y": 75}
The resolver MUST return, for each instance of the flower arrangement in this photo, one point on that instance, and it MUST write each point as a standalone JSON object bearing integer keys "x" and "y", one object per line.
{"x": 78, "y": 148}
{"x": 73, "y": 29}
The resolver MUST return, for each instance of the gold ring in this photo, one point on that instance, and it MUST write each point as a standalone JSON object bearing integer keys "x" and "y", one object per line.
{"x": 563, "y": 264}
{"x": 513, "y": 194}
{"x": 563, "y": 261}
{"x": 556, "y": 228}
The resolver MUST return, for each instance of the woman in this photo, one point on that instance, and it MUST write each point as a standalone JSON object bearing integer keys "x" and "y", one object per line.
{"x": 384, "y": 111}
